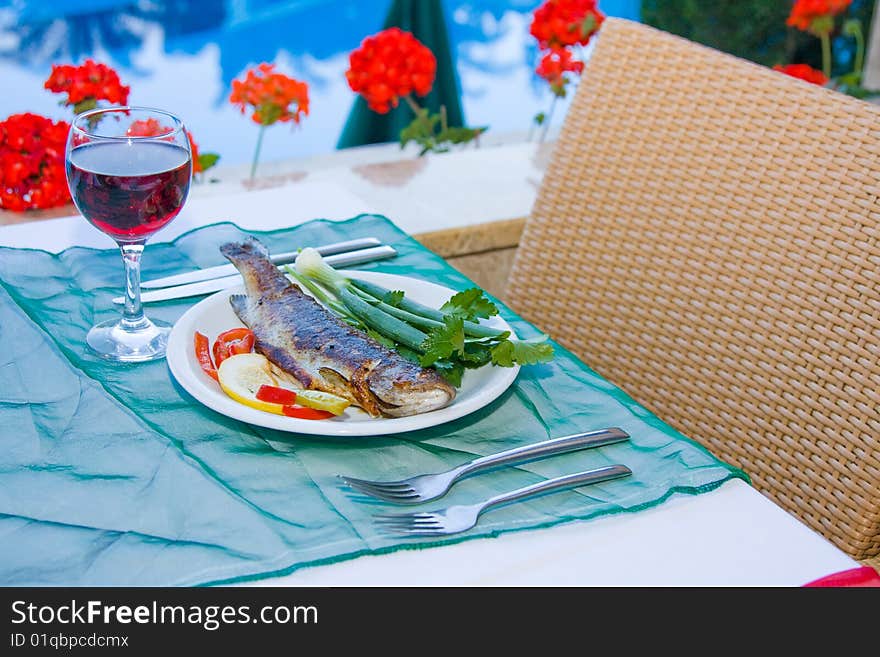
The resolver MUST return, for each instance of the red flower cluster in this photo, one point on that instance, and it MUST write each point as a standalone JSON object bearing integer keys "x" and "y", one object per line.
{"x": 816, "y": 15}
{"x": 391, "y": 65}
{"x": 803, "y": 72}
{"x": 553, "y": 67}
{"x": 85, "y": 85}
{"x": 274, "y": 96}
{"x": 152, "y": 128}
{"x": 32, "y": 162}
{"x": 558, "y": 24}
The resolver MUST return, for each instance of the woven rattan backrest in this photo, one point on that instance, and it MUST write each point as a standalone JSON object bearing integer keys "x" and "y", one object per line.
{"x": 706, "y": 237}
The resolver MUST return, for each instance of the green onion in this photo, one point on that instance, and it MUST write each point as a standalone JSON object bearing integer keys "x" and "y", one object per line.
{"x": 415, "y": 309}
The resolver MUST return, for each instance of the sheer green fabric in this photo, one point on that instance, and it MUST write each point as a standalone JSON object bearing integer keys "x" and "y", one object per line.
{"x": 112, "y": 475}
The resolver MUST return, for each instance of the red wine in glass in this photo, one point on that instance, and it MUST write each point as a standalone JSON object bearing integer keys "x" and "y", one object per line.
{"x": 129, "y": 171}
{"x": 129, "y": 190}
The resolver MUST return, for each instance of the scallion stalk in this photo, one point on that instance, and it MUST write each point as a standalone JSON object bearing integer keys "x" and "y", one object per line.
{"x": 415, "y": 309}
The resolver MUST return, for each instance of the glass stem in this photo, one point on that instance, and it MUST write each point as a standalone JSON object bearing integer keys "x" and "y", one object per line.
{"x": 133, "y": 313}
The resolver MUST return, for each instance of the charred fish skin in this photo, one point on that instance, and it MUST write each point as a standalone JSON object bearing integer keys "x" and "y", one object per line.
{"x": 321, "y": 351}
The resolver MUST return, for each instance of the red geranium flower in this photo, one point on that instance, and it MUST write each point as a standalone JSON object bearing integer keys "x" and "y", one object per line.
{"x": 85, "y": 85}
{"x": 391, "y": 65}
{"x": 147, "y": 128}
{"x": 803, "y": 72}
{"x": 274, "y": 96}
{"x": 553, "y": 67}
{"x": 816, "y": 16}
{"x": 32, "y": 162}
{"x": 152, "y": 128}
{"x": 561, "y": 23}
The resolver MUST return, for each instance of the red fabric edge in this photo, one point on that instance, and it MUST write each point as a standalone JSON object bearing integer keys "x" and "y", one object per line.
{"x": 861, "y": 576}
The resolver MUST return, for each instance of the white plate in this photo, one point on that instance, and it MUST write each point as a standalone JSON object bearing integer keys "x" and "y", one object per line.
{"x": 214, "y": 315}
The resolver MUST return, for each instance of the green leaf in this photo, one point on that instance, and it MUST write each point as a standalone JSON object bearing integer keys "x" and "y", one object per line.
{"x": 443, "y": 341}
{"x": 85, "y": 105}
{"x": 452, "y": 371}
{"x": 421, "y": 130}
{"x": 207, "y": 160}
{"x": 522, "y": 352}
{"x": 460, "y": 135}
{"x": 431, "y": 134}
{"x": 393, "y": 298}
{"x": 539, "y": 118}
{"x": 850, "y": 79}
{"x": 470, "y": 304}
{"x": 476, "y": 354}
{"x": 588, "y": 26}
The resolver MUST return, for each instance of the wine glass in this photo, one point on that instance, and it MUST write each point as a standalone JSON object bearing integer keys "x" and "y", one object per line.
{"x": 129, "y": 171}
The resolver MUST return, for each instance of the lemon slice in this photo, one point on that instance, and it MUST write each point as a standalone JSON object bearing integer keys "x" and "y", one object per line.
{"x": 322, "y": 401}
{"x": 241, "y": 375}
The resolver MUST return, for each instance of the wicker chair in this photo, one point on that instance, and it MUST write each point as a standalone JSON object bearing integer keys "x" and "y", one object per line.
{"x": 706, "y": 237}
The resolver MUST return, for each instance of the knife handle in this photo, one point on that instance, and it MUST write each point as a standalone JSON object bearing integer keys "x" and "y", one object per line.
{"x": 210, "y": 273}
{"x": 329, "y": 250}
{"x": 204, "y": 287}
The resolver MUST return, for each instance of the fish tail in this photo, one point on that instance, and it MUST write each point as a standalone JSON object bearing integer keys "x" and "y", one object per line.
{"x": 250, "y": 247}
{"x": 251, "y": 258}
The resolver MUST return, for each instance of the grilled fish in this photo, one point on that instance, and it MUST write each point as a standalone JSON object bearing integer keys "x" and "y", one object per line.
{"x": 320, "y": 351}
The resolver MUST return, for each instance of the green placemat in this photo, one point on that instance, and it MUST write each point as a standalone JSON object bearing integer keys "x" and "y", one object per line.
{"x": 113, "y": 475}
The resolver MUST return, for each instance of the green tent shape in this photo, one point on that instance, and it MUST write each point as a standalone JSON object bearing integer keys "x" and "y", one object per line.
{"x": 426, "y": 21}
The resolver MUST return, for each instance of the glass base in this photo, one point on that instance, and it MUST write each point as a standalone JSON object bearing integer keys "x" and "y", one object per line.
{"x": 112, "y": 340}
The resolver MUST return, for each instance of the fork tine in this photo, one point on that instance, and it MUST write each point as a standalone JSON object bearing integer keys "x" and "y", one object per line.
{"x": 420, "y": 532}
{"x": 404, "y": 519}
{"x": 395, "y": 526}
{"x": 385, "y": 485}
{"x": 392, "y": 497}
{"x": 419, "y": 515}
{"x": 368, "y": 486}
{"x": 409, "y": 525}
{"x": 400, "y": 493}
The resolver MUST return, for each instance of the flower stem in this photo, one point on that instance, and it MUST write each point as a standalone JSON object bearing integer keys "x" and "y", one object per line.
{"x": 825, "y": 37}
{"x": 257, "y": 150}
{"x": 414, "y": 106}
{"x": 548, "y": 119}
{"x": 860, "y": 51}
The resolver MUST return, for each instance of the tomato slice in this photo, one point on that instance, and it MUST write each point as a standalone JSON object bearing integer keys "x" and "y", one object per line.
{"x": 276, "y": 395}
{"x": 304, "y": 413}
{"x": 234, "y": 341}
{"x": 203, "y": 355}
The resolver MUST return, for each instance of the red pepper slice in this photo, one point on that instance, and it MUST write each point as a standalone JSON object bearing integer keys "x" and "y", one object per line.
{"x": 276, "y": 395}
{"x": 231, "y": 342}
{"x": 203, "y": 355}
{"x": 304, "y": 413}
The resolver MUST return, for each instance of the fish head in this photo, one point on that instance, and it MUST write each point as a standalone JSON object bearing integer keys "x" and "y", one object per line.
{"x": 401, "y": 390}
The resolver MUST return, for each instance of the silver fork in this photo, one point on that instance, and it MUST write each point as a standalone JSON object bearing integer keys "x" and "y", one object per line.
{"x": 460, "y": 518}
{"x": 426, "y": 487}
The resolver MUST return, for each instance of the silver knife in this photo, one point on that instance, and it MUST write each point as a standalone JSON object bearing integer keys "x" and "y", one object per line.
{"x": 215, "y": 285}
{"x": 281, "y": 259}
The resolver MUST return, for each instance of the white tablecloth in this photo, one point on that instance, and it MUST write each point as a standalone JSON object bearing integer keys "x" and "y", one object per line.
{"x": 732, "y": 536}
